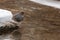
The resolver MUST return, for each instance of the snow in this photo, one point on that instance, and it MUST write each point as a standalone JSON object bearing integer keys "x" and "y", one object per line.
{"x": 52, "y": 3}
{"x": 5, "y": 16}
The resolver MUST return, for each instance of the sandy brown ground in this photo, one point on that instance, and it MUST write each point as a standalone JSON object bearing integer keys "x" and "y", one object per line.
{"x": 40, "y": 22}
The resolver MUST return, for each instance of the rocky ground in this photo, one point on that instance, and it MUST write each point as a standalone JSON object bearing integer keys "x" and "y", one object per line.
{"x": 40, "y": 22}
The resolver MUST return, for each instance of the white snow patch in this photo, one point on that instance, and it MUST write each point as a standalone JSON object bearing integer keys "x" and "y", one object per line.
{"x": 5, "y": 16}
{"x": 52, "y": 3}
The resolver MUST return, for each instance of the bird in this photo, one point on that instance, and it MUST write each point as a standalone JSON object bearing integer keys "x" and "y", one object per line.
{"x": 9, "y": 22}
{"x": 8, "y": 25}
{"x": 18, "y": 17}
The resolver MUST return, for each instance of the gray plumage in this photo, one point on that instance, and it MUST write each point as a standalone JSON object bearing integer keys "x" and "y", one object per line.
{"x": 19, "y": 17}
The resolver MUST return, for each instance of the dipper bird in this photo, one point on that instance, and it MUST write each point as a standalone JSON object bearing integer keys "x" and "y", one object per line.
{"x": 8, "y": 25}
{"x": 8, "y": 21}
{"x": 19, "y": 17}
